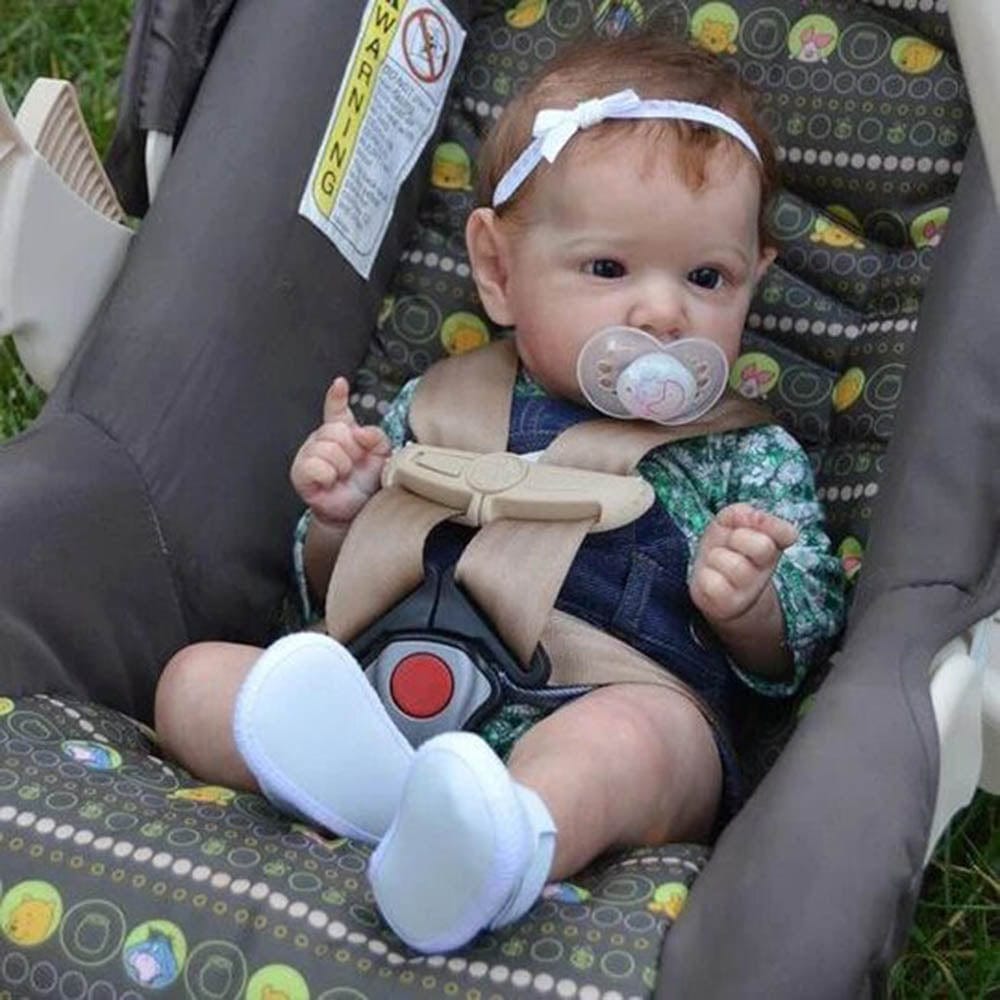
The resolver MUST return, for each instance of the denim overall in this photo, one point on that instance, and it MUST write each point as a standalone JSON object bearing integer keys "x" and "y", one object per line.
{"x": 631, "y": 582}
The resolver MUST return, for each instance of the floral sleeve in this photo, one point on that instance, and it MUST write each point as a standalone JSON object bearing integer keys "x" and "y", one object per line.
{"x": 396, "y": 422}
{"x": 770, "y": 470}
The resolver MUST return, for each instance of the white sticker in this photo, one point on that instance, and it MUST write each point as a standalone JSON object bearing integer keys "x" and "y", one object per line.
{"x": 388, "y": 105}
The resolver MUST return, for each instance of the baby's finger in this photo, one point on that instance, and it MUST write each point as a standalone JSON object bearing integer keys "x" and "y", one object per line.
{"x": 333, "y": 453}
{"x": 744, "y": 515}
{"x": 316, "y": 473}
{"x": 344, "y": 435}
{"x": 713, "y": 589}
{"x": 737, "y": 569}
{"x": 336, "y": 408}
{"x": 760, "y": 548}
{"x": 736, "y": 515}
{"x": 784, "y": 533}
{"x": 373, "y": 439}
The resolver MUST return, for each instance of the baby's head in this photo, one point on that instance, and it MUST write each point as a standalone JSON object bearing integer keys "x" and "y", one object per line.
{"x": 654, "y": 223}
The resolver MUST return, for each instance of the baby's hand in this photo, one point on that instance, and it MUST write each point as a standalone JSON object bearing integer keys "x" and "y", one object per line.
{"x": 339, "y": 466}
{"x": 736, "y": 559}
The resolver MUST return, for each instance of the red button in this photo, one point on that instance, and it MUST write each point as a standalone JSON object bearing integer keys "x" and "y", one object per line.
{"x": 421, "y": 685}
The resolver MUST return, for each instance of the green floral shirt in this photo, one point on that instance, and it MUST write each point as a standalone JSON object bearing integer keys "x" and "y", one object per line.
{"x": 695, "y": 478}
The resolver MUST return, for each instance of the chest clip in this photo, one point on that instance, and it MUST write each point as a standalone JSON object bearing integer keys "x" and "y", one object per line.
{"x": 484, "y": 488}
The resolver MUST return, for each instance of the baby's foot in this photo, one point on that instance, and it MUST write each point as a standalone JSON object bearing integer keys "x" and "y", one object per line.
{"x": 469, "y": 848}
{"x": 317, "y": 739}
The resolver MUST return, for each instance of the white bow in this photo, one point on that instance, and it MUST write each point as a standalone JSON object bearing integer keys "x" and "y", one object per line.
{"x": 556, "y": 126}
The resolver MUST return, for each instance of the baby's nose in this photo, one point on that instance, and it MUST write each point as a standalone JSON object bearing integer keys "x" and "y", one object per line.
{"x": 660, "y": 312}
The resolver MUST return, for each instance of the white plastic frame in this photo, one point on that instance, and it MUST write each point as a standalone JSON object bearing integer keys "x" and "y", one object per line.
{"x": 159, "y": 149}
{"x": 62, "y": 232}
{"x": 976, "y": 28}
{"x": 965, "y": 693}
{"x": 61, "y": 244}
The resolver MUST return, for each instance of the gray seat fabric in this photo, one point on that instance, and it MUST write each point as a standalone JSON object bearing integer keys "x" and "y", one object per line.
{"x": 170, "y": 46}
{"x": 832, "y": 846}
{"x": 154, "y": 484}
{"x": 119, "y": 869}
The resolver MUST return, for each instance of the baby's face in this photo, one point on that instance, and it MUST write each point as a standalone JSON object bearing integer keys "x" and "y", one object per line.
{"x": 608, "y": 244}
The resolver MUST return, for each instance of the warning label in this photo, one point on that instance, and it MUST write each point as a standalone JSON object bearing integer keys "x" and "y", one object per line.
{"x": 386, "y": 109}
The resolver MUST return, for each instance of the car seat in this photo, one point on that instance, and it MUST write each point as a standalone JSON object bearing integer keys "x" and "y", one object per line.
{"x": 148, "y": 507}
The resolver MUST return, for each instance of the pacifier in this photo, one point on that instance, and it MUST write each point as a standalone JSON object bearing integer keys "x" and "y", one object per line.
{"x": 628, "y": 373}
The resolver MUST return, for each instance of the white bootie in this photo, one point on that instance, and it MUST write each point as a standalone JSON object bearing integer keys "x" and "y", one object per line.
{"x": 469, "y": 848}
{"x": 316, "y": 737}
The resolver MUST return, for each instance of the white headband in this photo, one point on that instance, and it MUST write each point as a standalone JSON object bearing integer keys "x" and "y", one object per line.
{"x": 554, "y": 127}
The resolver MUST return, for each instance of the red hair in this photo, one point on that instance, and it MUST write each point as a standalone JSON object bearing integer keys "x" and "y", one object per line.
{"x": 655, "y": 66}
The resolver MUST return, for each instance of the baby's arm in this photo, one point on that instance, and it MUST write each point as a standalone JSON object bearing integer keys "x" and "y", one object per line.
{"x": 731, "y": 586}
{"x": 335, "y": 472}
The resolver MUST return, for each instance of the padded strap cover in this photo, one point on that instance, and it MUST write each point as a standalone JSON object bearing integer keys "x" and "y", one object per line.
{"x": 381, "y": 560}
{"x": 609, "y": 445}
{"x": 464, "y": 401}
{"x": 514, "y": 570}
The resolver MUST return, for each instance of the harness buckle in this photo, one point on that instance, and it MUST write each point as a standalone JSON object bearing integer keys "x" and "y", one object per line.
{"x": 438, "y": 664}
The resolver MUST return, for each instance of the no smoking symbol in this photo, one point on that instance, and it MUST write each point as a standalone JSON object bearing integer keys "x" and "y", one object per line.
{"x": 425, "y": 44}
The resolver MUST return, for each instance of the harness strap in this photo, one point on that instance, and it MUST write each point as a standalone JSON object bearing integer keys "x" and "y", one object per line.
{"x": 514, "y": 571}
{"x": 381, "y": 560}
{"x": 464, "y": 401}
{"x": 608, "y": 445}
{"x": 583, "y": 656}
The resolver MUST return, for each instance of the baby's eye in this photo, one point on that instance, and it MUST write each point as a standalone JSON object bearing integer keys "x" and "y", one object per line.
{"x": 604, "y": 267}
{"x": 706, "y": 277}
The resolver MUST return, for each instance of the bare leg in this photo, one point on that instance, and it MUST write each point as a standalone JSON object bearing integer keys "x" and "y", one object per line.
{"x": 625, "y": 765}
{"x": 194, "y": 711}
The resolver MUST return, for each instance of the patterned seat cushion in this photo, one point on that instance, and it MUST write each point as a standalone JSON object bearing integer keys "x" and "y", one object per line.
{"x": 120, "y": 873}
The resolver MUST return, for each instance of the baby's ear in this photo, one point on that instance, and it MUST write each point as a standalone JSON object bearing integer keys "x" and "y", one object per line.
{"x": 765, "y": 260}
{"x": 489, "y": 250}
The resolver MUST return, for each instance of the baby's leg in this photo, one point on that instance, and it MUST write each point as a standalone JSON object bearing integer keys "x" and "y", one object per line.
{"x": 194, "y": 711}
{"x": 625, "y": 765}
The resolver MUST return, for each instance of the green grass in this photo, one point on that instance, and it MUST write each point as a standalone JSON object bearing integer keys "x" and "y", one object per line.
{"x": 954, "y": 948}
{"x": 78, "y": 40}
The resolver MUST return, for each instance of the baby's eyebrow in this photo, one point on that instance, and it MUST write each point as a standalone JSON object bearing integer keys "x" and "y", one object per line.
{"x": 595, "y": 241}
{"x": 734, "y": 251}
